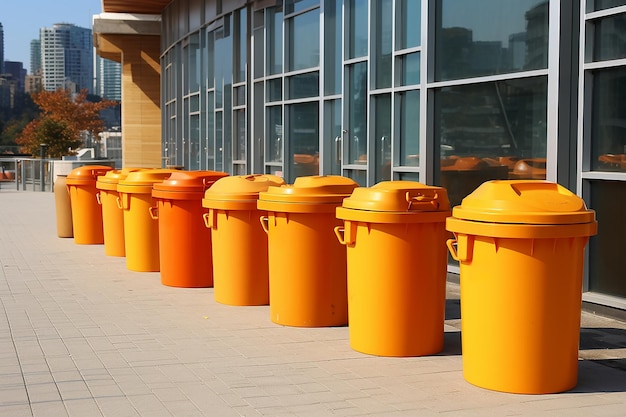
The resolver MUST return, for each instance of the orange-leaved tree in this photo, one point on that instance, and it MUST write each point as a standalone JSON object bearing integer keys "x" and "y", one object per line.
{"x": 63, "y": 120}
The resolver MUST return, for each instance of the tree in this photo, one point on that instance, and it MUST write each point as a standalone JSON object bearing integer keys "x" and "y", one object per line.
{"x": 63, "y": 119}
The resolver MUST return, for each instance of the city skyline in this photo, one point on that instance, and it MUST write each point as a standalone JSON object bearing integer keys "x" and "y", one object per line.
{"x": 23, "y": 20}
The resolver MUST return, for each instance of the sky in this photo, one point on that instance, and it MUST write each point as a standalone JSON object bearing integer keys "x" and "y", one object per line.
{"x": 21, "y": 20}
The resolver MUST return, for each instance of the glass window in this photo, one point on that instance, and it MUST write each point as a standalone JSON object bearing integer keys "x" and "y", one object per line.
{"x": 275, "y": 90}
{"x": 593, "y": 5}
{"x": 381, "y": 110}
{"x": 408, "y": 23}
{"x": 239, "y": 96}
{"x": 303, "y": 85}
{"x": 494, "y": 130}
{"x": 219, "y": 141}
{"x": 608, "y": 36}
{"x": 333, "y": 136}
{"x": 304, "y": 139}
{"x": 194, "y": 142}
{"x": 382, "y": 37}
{"x": 275, "y": 40}
{"x": 210, "y": 130}
{"x": 275, "y": 134}
{"x": 606, "y": 249}
{"x": 358, "y": 30}
{"x": 513, "y": 38}
{"x": 295, "y": 6}
{"x": 303, "y": 40}
{"x": 239, "y": 144}
{"x": 210, "y": 59}
{"x": 241, "y": 53}
{"x": 608, "y": 120}
{"x": 409, "y": 176}
{"x": 408, "y": 69}
{"x": 194, "y": 103}
{"x": 259, "y": 44}
{"x": 357, "y": 114}
{"x": 193, "y": 60}
{"x": 408, "y": 128}
{"x": 332, "y": 47}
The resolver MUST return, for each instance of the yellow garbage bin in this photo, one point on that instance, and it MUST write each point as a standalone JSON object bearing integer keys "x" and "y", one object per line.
{"x": 86, "y": 212}
{"x": 141, "y": 230}
{"x": 307, "y": 265}
{"x": 395, "y": 238}
{"x": 63, "y": 207}
{"x": 520, "y": 247}
{"x": 239, "y": 244}
{"x": 112, "y": 215}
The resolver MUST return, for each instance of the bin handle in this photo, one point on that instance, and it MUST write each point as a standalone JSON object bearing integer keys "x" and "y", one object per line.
{"x": 98, "y": 198}
{"x": 265, "y": 223}
{"x": 210, "y": 219}
{"x": 154, "y": 212}
{"x": 420, "y": 201}
{"x": 346, "y": 234}
{"x": 466, "y": 245}
{"x": 123, "y": 201}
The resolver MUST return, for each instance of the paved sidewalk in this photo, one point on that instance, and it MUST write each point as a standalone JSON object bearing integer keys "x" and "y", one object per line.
{"x": 80, "y": 335}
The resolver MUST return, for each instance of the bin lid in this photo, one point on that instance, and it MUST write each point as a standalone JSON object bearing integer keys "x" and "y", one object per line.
{"x": 398, "y": 196}
{"x": 111, "y": 178}
{"x": 189, "y": 181}
{"x": 142, "y": 181}
{"x": 87, "y": 174}
{"x": 523, "y": 202}
{"x": 320, "y": 189}
{"x": 242, "y": 187}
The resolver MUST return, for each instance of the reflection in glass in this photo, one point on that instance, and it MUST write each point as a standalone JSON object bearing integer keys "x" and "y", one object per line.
{"x": 275, "y": 89}
{"x": 358, "y": 33}
{"x": 192, "y": 61}
{"x": 332, "y": 47}
{"x": 606, "y": 249}
{"x": 239, "y": 145}
{"x": 275, "y": 134}
{"x": 383, "y": 48}
{"x": 357, "y": 114}
{"x": 513, "y": 38}
{"x": 408, "y": 132}
{"x": 333, "y": 136}
{"x": 194, "y": 142}
{"x": 210, "y": 59}
{"x": 304, "y": 139}
{"x": 594, "y": 5}
{"x": 239, "y": 96}
{"x": 408, "y": 69}
{"x": 303, "y": 36}
{"x": 409, "y": 176}
{"x": 295, "y": 6}
{"x": 219, "y": 142}
{"x": 358, "y": 175}
{"x": 608, "y": 120}
{"x": 241, "y": 52}
{"x": 274, "y": 42}
{"x": 259, "y": 45}
{"x": 608, "y": 36}
{"x": 382, "y": 136}
{"x": 493, "y": 130}
{"x": 210, "y": 130}
{"x": 303, "y": 85}
{"x": 408, "y": 23}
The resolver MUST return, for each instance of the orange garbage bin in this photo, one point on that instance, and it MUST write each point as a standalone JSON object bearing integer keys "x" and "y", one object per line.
{"x": 239, "y": 244}
{"x": 184, "y": 241}
{"x": 63, "y": 207}
{"x": 395, "y": 238}
{"x": 520, "y": 247}
{"x": 86, "y": 212}
{"x": 141, "y": 231}
{"x": 307, "y": 265}
{"x": 112, "y": 215}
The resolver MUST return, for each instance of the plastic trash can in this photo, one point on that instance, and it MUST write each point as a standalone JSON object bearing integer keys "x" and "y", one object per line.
{"x": 307, "y": 265}
{"x": 112, "y": 215}
{"x": 63, "y": 207}
{"x": 86, "y": 212}
{"x": 520, "y": 247}
{"x": 184, "y": 241}
{"x": 395, "y": 238}
{"x": 141, "y": 231}
{"x": 239, "y": 244}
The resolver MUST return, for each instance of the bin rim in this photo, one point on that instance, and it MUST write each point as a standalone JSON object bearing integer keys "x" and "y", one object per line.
{"x": 314, "y": 189}
{"x": 188, "y": 181}
{"x": 111, "y": 178}
{"x": 520, "y": 231}
{"x": 297, "y": 207}
{"x": 382, "y": 217}
{"x": 523, "y": 202}
{"x": 240, "y": 188}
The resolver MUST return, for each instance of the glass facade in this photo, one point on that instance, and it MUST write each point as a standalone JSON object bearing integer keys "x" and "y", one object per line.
{"x": 428, "y": 91}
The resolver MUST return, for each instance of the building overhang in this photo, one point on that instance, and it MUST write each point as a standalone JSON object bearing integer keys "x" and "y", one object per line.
{"x": 109, "y": 25}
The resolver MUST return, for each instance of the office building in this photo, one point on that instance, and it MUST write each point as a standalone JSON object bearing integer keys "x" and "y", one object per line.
{"x": 108, "y": 79}
{"x": 445, "y": 92}
{"x": 35, "y": 57}
{"x": 66, "y": 57}
{"x": 1, "y": 49}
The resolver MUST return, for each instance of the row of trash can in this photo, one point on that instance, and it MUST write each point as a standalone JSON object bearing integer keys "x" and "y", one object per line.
{"x": 323, "y": 249}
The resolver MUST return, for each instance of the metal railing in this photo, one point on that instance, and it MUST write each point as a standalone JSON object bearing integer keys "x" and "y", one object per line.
{"x": 36, "y": 174}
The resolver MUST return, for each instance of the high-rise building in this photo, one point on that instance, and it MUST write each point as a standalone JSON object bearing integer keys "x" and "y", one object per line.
{"x": 35, "y": 57}
{"x": 108, "y": 79}
{"x": 16, "y": 72}
{"x": 67, "y": 57}
{"x": 1, "y": 49}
